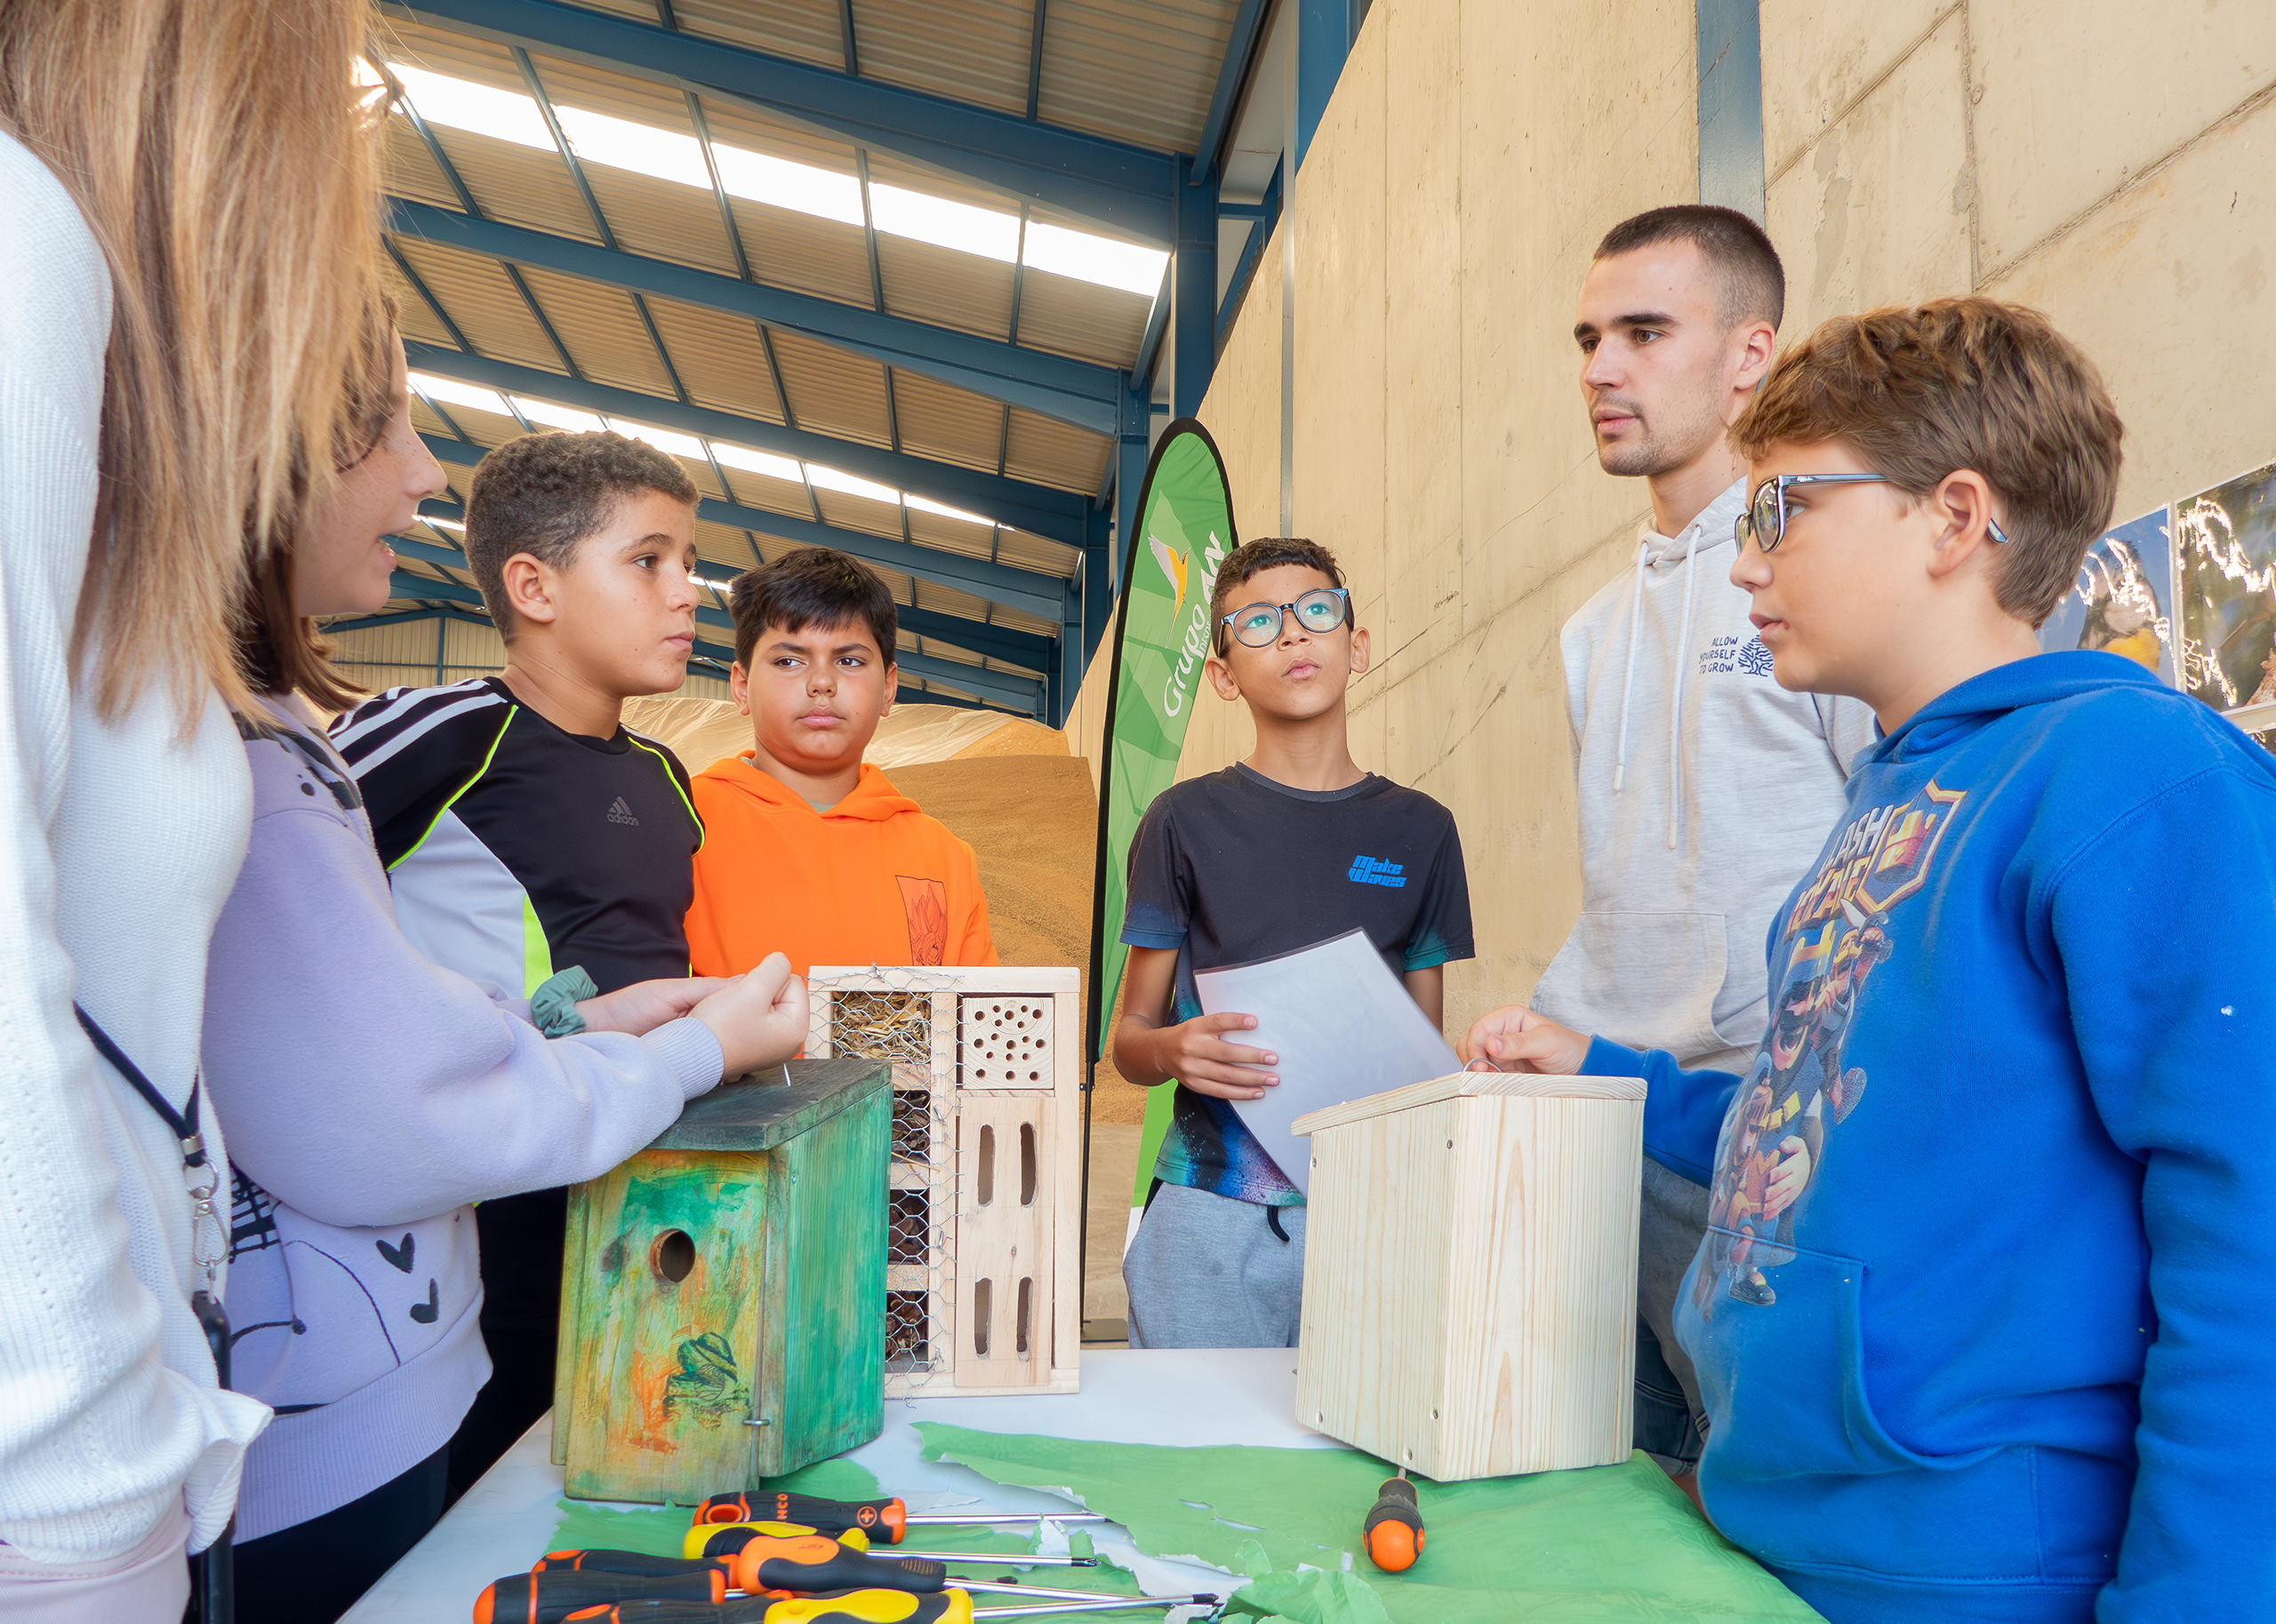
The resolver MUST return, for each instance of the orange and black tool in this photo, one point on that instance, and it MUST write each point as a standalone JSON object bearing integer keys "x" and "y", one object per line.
{"x": 1394, "y": 1531}
{"x": 705, "y": 1540}
{"x": 551, "y": 1596}
{"x": 638, "y": 1564}
{"x": 861, "y": 1607}
{"x": 713, "y": 1540}
{"x": 885, "y": 1520}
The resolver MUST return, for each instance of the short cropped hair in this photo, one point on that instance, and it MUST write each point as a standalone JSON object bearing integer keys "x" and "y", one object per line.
{"x": 1923, "y": 391}
{"x": 811, "y": 586}
{"x": 544, "y": 493}
{"x": 1736, "y": 249}
{"x": 1252, "y": 559}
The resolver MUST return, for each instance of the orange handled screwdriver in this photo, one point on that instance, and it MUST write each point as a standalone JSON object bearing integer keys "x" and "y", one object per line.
{"x": 888, "y": 1517}
{"x": 551, "y": 1596}
{"x": 1394, "y": 1531}
{"x": 712, "y": 1541}
{"x": 708, "y": 1540}
{"x": 861, "y": 1607}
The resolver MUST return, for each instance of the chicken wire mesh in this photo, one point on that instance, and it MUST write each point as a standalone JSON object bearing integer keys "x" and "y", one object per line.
{"x": 886, "y": 1013}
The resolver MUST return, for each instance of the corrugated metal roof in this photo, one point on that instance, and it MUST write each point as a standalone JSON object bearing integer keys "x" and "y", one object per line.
{"x": 520, "y": 185}
{"x": 1140, "y": 71}
{"x": 1054, "y": 454}
{"x": 1081, "y": 318}
{"x": 832, "y": 392}
{"x": 806, "y": 30}
{"x": 482, "y": 299}
{"x": 945, "y": 286}
{"x": 720, "y": 357}
{"x": 973, "y": 51}
{"x": 939, "y": 419}
{"x": 603, "y": 331}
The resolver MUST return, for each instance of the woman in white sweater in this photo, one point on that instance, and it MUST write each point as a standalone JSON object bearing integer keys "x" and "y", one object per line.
{"x": 189, "y": 193}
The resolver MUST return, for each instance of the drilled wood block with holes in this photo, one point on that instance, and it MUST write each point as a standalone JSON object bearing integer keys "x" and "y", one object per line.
{"x": 1470, "y": 1274}
{"x": 983, "y": 1285}
{"x": 719, "y": 1290}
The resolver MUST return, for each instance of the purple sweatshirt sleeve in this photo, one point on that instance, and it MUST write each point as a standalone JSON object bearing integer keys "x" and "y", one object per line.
{"x": 1683, "y": 1110}
{"x": 362, "y": 1086}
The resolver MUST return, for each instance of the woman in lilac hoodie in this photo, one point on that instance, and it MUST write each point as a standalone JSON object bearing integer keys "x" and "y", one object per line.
{"x": 371, "y": 1097}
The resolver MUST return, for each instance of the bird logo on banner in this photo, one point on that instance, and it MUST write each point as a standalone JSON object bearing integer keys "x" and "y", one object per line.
{"x": 1173, "y": 563}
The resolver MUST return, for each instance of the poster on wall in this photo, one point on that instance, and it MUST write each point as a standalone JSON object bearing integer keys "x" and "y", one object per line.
{"x": 2122, "y": 600}
{"x": 2225, "y": 549}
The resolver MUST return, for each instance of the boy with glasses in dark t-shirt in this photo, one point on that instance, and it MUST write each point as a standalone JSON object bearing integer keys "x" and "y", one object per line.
{"x": 1291, "y": 847}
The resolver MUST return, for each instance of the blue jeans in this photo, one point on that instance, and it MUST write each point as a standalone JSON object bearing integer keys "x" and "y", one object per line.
{"x": 1668, "y": 1425}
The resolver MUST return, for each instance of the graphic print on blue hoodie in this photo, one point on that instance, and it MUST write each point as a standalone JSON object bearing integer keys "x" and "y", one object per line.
{"x": 1986, "y": 1310}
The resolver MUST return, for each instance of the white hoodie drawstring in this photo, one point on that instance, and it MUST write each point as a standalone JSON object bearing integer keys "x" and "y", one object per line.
{"x": 1628, "y": 683}
{"x": 1675, "y": 717}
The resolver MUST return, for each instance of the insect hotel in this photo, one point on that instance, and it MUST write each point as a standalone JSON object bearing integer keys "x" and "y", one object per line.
{"x": 1470, "y": 1274}
{"x": 719, "y": 1290}
{"x": 982, "y": 1288}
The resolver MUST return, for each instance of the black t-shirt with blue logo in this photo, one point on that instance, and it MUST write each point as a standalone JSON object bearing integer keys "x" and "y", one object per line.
{"x": 1233, "y": 868}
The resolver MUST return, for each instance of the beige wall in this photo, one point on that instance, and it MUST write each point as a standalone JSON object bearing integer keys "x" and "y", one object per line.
{"x": 2112, "y": 163}
{"x": 2109, "y": 163}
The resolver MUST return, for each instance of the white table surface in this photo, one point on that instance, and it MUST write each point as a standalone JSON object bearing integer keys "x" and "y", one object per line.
{"x": 1181, "y": 1396}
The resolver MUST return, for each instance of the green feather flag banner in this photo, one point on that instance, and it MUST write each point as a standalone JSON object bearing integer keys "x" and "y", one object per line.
{"x": 1161, "y": 637}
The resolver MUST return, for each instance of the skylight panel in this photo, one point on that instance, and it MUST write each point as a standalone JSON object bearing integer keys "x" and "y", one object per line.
{"x": 1096, "y": 259}
{"x": 663, "y": 154}
{"x": 460, "y": 104}
{"x": 663, "y": 439}
{"x": 786, "y": 185}
{"x": 758, "y": 462}
{"x": 945, "y": 224}
{"x": 451, "y": 392}
{"x": 430, "y": 519}
{"x": 559, "y": 417}
{"x": 831, "y": 479}
{"x": 920, "y": 505}
{"x": 716, "y": 586}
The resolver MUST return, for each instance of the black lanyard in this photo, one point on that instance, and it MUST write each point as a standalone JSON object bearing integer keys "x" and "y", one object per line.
{"x": 205, "y": 1181}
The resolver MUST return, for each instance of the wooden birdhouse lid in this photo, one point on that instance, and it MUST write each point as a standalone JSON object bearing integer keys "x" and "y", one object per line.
{"x": 1469, "y": 1084}
{"x": 762, "y": 1109}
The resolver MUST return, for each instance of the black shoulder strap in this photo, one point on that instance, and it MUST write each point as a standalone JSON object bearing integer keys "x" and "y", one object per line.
{"x": 184, "y": 1124}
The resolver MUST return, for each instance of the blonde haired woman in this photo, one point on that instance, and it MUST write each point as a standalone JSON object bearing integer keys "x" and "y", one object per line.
{"x": 188, "y": 187}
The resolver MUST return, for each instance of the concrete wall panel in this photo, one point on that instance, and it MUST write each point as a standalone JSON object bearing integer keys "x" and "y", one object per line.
{"x": 2080, "y": 97}
{"x": 1827, "y": 56}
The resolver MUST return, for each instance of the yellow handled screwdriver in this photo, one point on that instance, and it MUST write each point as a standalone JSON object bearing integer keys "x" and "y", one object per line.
{"x": 860, "y": 1607}
{"x": 707, "y": 1540}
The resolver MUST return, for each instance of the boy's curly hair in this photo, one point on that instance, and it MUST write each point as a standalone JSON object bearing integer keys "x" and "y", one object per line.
{"x": 1921, "y": 391}
{"x": 544, "y": 493}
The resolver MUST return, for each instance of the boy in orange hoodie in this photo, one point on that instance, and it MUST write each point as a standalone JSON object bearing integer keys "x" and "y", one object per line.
{"x": 809, "y": 851}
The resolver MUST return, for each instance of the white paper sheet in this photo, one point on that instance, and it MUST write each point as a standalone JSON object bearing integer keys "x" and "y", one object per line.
{"x": 1342, "y": 1026}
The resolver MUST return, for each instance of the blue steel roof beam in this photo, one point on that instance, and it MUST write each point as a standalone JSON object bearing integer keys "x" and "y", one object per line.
{"x": 848, "y": 49}
{"x": 1005, "y": 642}
{"x": 1017, "y": 502}
{"x": 1026, "y": 590}
{"x": 919, "y": 696}
{"x": 1023, "y": 691}
{"x": 1035, "y": 65}
{"x": 718, "y": 187}
{"x": 1118, "y": 185}
{"x": 426, "y": 295}
{"x": 1078, "y": 392}
{"x": 401, "y": 99}
{"x": 1241, "y": 46}
{"x": 1149, "y": 346}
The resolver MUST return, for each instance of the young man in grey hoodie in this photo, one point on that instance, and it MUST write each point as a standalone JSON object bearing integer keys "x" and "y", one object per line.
{"x": 1704, "y": 787}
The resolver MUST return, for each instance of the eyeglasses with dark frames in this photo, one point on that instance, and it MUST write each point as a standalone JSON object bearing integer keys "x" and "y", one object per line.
{"x": 1257, "y": 626}
{"x": 1764, "y": 522}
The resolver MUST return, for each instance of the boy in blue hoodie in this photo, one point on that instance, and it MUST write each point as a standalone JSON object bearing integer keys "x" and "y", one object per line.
{"x": 1983, "y": 1313}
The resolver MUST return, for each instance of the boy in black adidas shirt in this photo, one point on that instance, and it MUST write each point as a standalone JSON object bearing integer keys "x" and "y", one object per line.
{"x": 1293, "y": 847}
{"x": 526, "y": 832}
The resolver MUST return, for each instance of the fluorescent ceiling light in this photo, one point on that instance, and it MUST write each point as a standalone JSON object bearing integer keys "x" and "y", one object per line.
{"x": 620, "y": 144}
{"x": 559, "y": 417}
{"x": 452, "y": 392}
{"x": 945, "y": 224}
{"x": 460, "y": 104}
{"x": 716, "y": 586}
{"x": 920, "y": 505}
{"x": 831, "y": 479}
{"x": 758, "y": 462}
{"x": 430, "y": 519}
{"x": 668, "y": 155}
{"x": 786, "y": 185}
{"x": 1096, "y": 259}
{"x": 663, "y": 439}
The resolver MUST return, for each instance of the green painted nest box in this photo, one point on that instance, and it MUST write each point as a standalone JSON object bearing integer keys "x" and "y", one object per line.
{"x": 719, "y": 1290}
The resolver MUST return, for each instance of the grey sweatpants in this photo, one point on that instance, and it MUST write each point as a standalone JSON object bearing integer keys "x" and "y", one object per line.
{"x": 1207, "y": 1271}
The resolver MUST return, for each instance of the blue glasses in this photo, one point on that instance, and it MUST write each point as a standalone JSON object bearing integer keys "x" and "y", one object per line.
{"x": 1257, "y": 626}
{"x": 1764, "y": 522}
